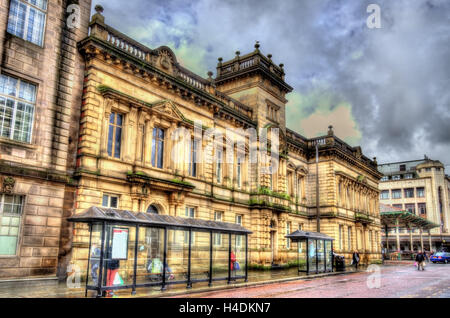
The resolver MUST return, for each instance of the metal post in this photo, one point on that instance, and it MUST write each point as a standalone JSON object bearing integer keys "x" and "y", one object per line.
{"x": 246, "y": 257}
{"x": 210, "y": 258}
{"x": 229, "y": 258}
{"x": 332, "y": 256}
{"x": 324, "y": 256}
{"x": 397, "y": 230}
{"x": 411, "y": 239}
{"x": 317, "y": 258}
{"x": 163, "y": 287}
{"x": 298, "y": 255}
{"x": 89, "y": 257}
{"x": 317, "y": 187}
{"x": 307, "y": 256}
{"x": 133, "y": 292}
{"x": 189, "y": 283}
{"x": 100, "y": 270}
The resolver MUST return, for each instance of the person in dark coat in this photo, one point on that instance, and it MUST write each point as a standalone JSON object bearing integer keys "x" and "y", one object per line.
{"x": 420, "y": 259}
{"x": 356, "y": 259}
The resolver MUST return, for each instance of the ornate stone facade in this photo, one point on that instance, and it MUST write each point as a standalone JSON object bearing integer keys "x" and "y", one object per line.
{"x": 152, "y": 92}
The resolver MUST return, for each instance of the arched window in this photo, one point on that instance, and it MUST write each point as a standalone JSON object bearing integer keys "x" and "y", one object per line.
{"x": 152, "y": 209}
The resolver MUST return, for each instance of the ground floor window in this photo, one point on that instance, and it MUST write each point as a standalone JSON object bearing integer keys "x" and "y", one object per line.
{"x": 11, "y": 207}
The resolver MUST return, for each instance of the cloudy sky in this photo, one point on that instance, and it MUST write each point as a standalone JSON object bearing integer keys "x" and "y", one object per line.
{"x": 386, "y": 89}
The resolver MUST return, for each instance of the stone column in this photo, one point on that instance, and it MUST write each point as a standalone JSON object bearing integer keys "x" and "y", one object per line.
{"x": 410, "y": 239}
{"x": 105, "y": 130}
{"x": 148, "y": 140}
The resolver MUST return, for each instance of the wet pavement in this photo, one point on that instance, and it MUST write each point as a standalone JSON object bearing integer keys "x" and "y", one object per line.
{"x": 397, "y": 281}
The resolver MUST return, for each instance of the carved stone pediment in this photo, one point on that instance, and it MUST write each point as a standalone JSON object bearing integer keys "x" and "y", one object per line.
{"x": 169, "y": 110}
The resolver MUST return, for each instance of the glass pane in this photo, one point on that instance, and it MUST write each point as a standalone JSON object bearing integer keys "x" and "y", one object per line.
{"x": 119, "y": 261}
{"x": 238, "y": 255}
{"x": 302, "y": 255}
{"x": 27, "y": 91}
{"x": 13, "y": 231}
{"x": 94, "y": 261}
{"x": 160, "y": 153}
{"x": 6, "y": 220}
{"x": 150, "y": 255}
{"x": 117, "y": 142}
{"x": 114, "y": 202}
{"x": 4, "y": 230}
{"x": 110, "y": 139}
{"x": 153, "y": 150}
{"x": 8, "y": 245}
{"x": 320, "y": 256}
{"x": 177, "y": 255}
{"x": 119, "y": 120}
{"x": 105, "y": 200}
{"x": 200, "y": 256}
{"x": 312, "y": 255}
{"x": 16, "y": 22}
{"x": 329, "y": 256}
{"x": 8, "y": 85}
{"x": 220, "y": 258}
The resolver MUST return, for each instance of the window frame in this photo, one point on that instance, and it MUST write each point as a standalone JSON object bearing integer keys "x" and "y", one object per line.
{"x": 113, "y": 138}
{"x": 217, "y": 241}
{"x": 110, "y": 195}
{"x": 154, "y": 159}
{"x": 26, "y": 22}
{"x": 16, "y": 100}
{"x": 20, "y": 226}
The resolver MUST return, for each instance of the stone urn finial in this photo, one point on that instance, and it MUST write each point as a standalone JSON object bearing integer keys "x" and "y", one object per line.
{"x": 99, "y": 9}
{"x": 210, "y": 74}
{"x": 330, "y": 130}
{"x": 269, "y": 56}
{"x": 257, "y": 46}
{"x": 238, "y": 53}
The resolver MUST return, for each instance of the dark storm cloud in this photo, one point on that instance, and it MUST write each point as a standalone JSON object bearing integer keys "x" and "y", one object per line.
{"x": 395, "y": 80}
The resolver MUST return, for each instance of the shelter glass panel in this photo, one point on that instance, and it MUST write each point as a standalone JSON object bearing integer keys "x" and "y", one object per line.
{"x": 150, "y": 255}
{"x": 220, "y": 258}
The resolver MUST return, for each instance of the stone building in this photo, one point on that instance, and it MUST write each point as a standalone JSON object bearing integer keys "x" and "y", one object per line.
{"x": 40, "y": 98}
{"x": 135, "y": 99}
{"x": 420, "y": 187}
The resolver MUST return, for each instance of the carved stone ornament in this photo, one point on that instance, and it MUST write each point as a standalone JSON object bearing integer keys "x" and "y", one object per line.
{"x": 8, "y": 184}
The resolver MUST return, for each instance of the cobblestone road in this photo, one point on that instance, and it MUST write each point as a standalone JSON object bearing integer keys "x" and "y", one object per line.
{"x": 399, "y": 281}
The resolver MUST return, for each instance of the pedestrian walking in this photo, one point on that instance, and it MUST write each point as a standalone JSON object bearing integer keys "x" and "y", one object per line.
{"x": 356, "y": 259}
{"x": 420, "y": 260}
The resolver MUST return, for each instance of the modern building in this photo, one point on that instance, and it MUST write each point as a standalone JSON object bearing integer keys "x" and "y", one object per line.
{"x": 422, "y": 188}
{"x": 41, "y": 75}
{"x": 131, "y": 155}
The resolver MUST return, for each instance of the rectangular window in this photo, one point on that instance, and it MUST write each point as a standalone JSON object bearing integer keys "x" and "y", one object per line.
{"x": 422, "y": 207}
{"x": 193, "y": 158}
{"x": 219, "y": 166}
{"x": 288, "y": 231}
{"x": 409, "y": 193}
{"x": 409, "y": 176}
{"x": 411, "y": 207}
{"x": 396, "y": 177}
{"x": 158, "y": 147}
{"x": 27, "y": 20}
{"x": 11, "y": 207}
{"x": 115, "y": 134}
{"x": 17, "y": 101}
{"x": 402, "y": 167}
{"x": 396, "y": 194}
{"x": 399, "y": 206}
{"x": 239, "y": 237}
{"x": 420, "y": 192}
{"x": 385, "y": 178}
{"x": 384, "y": 195}
{"x": 239, "y": 172}
{"x": 218, "y": 217}
{"x": 110, "y": 201}
{"x": 189, "y": 212}
{"x": 349, "y": 238}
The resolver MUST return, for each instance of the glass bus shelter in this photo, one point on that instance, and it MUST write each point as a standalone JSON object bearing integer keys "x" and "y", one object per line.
{"x": 315, "y": 251}
{"x": 128, "y": 250}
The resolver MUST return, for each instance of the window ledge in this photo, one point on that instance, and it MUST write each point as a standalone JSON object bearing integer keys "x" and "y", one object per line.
{"x": 21, "y": 144}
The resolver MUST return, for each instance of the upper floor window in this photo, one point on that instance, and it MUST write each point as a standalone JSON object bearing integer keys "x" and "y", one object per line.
{"x": 219, "y": 166}
{"x": 402, "y": 167}
{"x": 384, "y": 194}
{"x": 17, "y": 101}
{"x": 189, "y": 212}
{"x": 398, "y": 206}
{"x": 396, "y": 177}
{"x": 27, "y": 20}
{"x": 239, "y": 172}
{"x": 239, "y": 237}
{"x": 115, "y": 134}
{"x": 427, "y": 169}
{"x": 422, "y": 207}
{"x": 384, "y": 178}
{"x": 158, "y": 147}
{"x": 409, "y": 176}
{"x": 110, "y": 201}
{"x": 409, "y": 193}
{"x": 410, "y": 208}
{"x": 218, "y": 217}
{"x": 420, "y": 192}
{"x": 193, "y": 158}
{"x": 11, "y": 207}
{"x": 396, "y": 194}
